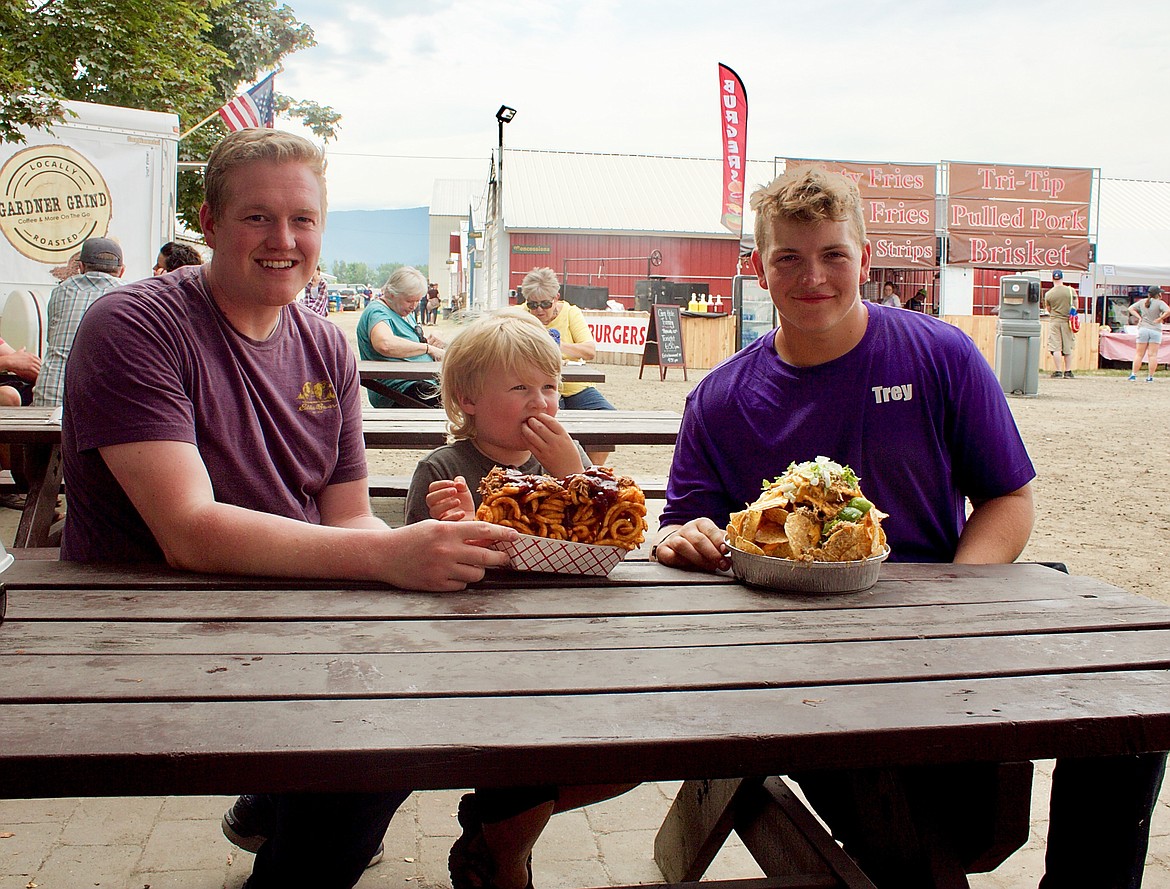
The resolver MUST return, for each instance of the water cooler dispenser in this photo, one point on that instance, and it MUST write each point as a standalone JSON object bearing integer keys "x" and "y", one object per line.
{"x": 1017, "y": 340}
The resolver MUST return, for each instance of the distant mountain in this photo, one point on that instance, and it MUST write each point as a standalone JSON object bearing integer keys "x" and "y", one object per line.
{"x": 376, "y": 236}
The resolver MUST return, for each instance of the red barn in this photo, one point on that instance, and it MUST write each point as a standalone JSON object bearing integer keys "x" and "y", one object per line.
{"x": 610, "y": 220}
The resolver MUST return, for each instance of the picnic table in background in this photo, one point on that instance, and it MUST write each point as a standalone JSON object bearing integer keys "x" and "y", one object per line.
{"x": 37, "y": 431}
{"x": 371, "y": 374}
{"x": 427, "y": 428}
{"x": 216, "y": 683}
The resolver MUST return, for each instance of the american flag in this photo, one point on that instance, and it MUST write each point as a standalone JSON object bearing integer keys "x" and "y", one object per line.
{"x": 255, "y": 108}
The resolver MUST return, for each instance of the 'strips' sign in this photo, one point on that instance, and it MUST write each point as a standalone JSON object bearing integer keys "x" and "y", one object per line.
{"x": 51, "y": 199}
{"x": 1014, "y": 216}
{"x": 899, "y": 206}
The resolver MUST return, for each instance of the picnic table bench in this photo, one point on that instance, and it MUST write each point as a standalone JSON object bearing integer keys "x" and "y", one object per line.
{"x": 144, "y": 681}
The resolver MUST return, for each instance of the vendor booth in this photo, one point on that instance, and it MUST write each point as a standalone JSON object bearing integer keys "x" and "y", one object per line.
{"x": 708, "y": 338}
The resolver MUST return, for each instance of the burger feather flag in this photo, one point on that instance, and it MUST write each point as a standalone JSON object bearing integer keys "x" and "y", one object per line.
{"x": 733, "y": 124}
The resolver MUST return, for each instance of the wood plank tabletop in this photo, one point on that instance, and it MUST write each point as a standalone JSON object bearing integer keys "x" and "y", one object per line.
{"x": 125, "y": 681}
{"x": 428, "y": 370}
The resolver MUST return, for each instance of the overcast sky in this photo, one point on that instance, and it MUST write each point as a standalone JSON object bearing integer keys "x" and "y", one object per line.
{"x": 1071, "y": 83}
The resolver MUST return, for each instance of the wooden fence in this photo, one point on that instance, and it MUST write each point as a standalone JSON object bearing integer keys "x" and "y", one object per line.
{"x": 981, "y": 329}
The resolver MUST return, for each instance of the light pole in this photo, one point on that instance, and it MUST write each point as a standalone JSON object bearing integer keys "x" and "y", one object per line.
{"x": 499, "y": 285}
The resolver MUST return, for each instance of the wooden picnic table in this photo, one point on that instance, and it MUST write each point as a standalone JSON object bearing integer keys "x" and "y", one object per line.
{"x": 147, "y": 682}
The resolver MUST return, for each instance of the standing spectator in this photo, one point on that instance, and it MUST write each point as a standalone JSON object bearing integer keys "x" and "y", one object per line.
{"x": 1061, "y": 339}
{"x": 917, "y": 303}
{"x": 212, "y": 426}
{"x": 890, "y": 296}
{"x": 315, "y": 299}
{"x": 101, "y": 271}
{"x": 432, "y": 312}
{"x": 566, "y": 324}
{"x": 1151, "y": 313}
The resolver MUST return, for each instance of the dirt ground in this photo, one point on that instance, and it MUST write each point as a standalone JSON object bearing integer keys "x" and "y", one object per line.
{"x": 1102, "y": 502}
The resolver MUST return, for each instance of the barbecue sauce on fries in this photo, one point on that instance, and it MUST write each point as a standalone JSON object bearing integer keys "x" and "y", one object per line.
{"x": 815, "y": 512}
{"x": 594, "y": 506}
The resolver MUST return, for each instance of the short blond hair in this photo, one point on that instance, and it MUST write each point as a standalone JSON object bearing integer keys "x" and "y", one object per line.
{"x": 501, "y": 342}
{"x": 808, "y": 195}
{"x": 540, "y": 283}
{"x": 257, "y": 144}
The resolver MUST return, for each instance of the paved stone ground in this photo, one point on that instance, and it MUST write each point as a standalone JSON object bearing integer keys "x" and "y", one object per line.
{"x": 175, "y": 843}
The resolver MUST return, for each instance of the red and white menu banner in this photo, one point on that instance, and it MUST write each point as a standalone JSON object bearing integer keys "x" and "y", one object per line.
{"x": 1072, "y": 185}
{"x": 733, "y": 112}
{"x": 1017, "y": 216}
{"x": 899, "y": 204}
{"x": 999, "y": 251}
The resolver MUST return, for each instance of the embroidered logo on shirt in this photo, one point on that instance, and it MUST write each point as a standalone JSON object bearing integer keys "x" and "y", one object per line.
{"x": 317, "y": 397}
{"x": 882, "y": 394}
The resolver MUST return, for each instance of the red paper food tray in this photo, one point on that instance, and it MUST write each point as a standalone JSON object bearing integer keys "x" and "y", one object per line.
{"x": 529, "y": 553}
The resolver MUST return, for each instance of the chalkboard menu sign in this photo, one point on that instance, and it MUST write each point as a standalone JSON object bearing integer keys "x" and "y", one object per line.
{"x": 664, "y": 343}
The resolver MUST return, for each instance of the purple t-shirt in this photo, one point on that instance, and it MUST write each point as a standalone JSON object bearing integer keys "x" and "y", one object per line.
{"x": 275, "y": 422}
{"x": 914, "y": 408}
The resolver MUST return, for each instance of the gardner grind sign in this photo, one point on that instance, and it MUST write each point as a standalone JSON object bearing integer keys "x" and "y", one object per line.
{"x": 51, "y": 199}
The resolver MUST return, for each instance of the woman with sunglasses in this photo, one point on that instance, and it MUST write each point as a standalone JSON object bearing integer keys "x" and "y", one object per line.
{"x": 389, "y": 330}
{"x": 566, "y": 325}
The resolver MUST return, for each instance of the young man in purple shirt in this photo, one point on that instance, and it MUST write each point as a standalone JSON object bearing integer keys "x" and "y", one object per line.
{"x": 214, "y": 423}
{"x": 911, "y": 405}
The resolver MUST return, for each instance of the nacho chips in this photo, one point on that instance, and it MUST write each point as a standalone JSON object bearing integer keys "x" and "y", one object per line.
{"x": 815, "y": 512}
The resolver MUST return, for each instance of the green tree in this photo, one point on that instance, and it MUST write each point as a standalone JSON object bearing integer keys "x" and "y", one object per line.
{"x": 382, "y": 272}
{"x": 184, "y": 56}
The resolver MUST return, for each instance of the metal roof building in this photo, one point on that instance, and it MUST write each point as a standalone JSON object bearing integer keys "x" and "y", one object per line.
{"x": 599, "y": 219}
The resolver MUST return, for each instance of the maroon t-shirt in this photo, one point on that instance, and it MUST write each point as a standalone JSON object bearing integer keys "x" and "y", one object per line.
{"x": 275, "y": 422}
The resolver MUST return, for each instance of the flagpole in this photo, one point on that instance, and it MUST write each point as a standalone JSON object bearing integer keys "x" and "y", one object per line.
{"x": 198, "y": 125}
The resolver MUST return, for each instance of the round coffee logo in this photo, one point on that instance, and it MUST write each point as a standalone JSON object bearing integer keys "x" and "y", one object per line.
{"x": 52, "y": 199}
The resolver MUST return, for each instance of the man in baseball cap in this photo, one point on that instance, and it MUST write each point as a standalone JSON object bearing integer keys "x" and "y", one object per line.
{"x": 1061, "y": 339}
{"x": 100, "y": 271}
{"x": 102, "y": 255}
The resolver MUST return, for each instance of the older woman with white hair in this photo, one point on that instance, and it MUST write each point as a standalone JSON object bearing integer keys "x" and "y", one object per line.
{"x": 389, "y": 330}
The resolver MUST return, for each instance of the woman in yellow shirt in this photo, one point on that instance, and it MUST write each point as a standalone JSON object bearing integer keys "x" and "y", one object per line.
{"x": 566, "y": 324}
